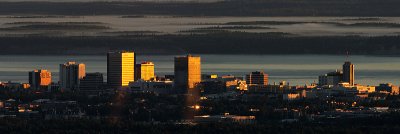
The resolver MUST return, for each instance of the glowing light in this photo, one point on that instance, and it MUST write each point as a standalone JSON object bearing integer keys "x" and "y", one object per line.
{"x": 197, "y": 107}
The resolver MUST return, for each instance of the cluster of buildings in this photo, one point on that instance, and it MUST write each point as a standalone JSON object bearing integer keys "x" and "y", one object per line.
{"x": 71, "y": 74}
{"x": 123, "y": 72}
{"x": 339, "y": 76}
{"x": 41, "y": 108}
{"x": 337, "y": 84}
{"x": 344, "y": 81}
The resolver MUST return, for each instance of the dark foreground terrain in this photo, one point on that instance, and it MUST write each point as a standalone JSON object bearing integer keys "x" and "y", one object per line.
{"x": 354, "y": 126}
{"x": 59, "y": 111}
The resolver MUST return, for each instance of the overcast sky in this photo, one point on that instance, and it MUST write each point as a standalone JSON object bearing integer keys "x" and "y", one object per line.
{"x": 108, "y": 0}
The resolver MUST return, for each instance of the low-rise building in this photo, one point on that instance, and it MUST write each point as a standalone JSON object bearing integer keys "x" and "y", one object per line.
{"x": 330, "y": 79}
{"x": 225, "y": 119}
{"x": 160, "y": 87}
{"x": 291, "y": 96}
{"x": 91, "y": 83}
{"x": 387, "y": 88}
{"x": 364, "y": 89}
{"x": 212, "y": 87}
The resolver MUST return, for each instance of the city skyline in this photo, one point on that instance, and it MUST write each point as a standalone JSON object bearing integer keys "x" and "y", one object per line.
{"x": 71, "y": 69}
{"x": 200, "y": 66}
{"x": 153, "y": 73}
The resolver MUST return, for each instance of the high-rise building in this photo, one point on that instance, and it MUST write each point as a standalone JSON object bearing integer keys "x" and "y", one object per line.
{"x": 257, "y": 78}
{"x": 187, "y": 72}
{"x": 348, "y": 73}
{"x": 70, "y": 75}
{"x": 39, "y": 78}
{"x": 92, "y": 83}
{"x": 120, "y": 68}
{"x": 144, "y": 71}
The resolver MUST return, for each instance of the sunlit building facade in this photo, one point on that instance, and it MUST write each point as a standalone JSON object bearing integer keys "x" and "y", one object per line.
{"x": 348, "y": 73}
{"x": 187, "y": 72}
{"x": 144, "y": 71}
{"x": 70, "y": 75}
{"x": 120, "y": 68}
{"x": 39, "y": 78}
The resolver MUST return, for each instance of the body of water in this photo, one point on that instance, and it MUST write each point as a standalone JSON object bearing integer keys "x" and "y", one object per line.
{"x": 296, "y": 69}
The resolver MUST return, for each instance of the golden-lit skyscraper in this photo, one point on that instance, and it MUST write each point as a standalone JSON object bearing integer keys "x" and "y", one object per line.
{"x": 120, "y": 68}
{"x": 70, "y": 74}
{"x": 39, "y": 78}
{"x": 187, "y": 72}
{"x": 348, "y": 73}
{"x": 144, "y": 71}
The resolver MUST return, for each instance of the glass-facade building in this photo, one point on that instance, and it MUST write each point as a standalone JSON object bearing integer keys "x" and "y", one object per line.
{"x": 120, "y": 68}
{"x": 187, "y": 71}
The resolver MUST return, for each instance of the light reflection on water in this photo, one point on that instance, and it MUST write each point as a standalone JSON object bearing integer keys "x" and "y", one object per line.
{"x": 296, "y": 69}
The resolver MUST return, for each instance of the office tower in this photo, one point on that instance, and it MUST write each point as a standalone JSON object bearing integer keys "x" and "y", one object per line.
{"x": 120, "y": 68}
{"x": 39, "y": 78}
{"x": 92, "y": 83}
{"x": 348, "y": 73}
{"x": 70, "y": 75}
{"x": 187, "y": 72}
{"x": 332, "y": 78}
{"x": 257, "y": 78}
{"x": 144, "y": 71}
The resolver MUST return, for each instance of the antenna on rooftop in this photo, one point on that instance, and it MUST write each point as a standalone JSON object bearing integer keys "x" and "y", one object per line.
{"x": 347, "y": 55}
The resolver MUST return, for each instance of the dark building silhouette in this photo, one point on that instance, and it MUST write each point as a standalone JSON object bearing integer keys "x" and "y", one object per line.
{"x": 331, "y": 78}
{"x": 70, "y": 75}
{"x": 92, "y": 83}
{"x": 257, "y": 78}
